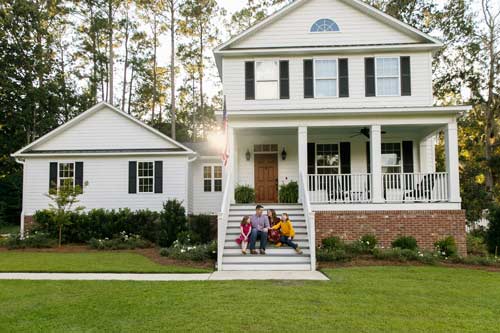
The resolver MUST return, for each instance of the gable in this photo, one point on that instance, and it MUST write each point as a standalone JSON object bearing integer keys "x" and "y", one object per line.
{"x": 357, "y": 27}
{"x": 103, "y": 129}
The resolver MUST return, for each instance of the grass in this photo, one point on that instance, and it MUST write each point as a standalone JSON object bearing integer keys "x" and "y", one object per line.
{"x": 88, "y": 262}
{"x": 368, "y": 299}
{"x": 9, "y": 229}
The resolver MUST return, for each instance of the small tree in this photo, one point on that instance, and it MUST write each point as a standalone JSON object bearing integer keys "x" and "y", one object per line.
{"x": 63, "y": 204}
{"x": 173, "y": 221}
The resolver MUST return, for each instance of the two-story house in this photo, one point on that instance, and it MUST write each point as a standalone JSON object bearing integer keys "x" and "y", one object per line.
{"x": 333, "y": 94}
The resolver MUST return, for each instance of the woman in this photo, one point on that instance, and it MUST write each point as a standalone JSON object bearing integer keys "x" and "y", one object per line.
{"x": 273, "y": 235}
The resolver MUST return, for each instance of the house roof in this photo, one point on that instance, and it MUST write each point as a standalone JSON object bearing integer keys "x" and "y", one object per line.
{"x": 426, "y": 40}
{"x": 30, "y": 150}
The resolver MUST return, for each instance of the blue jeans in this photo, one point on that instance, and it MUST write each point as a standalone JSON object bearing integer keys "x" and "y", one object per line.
{"x": 253, "y": 238}
{"x": 285, "y": 240}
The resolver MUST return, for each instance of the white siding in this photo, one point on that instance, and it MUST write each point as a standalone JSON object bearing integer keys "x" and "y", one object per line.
{"x": 355, "y": 28}
{"x": 105, "y": 129}
{"x": 107, "y": 179}
{"x": 421, "y": 85}
{"x": 203, "y": 202}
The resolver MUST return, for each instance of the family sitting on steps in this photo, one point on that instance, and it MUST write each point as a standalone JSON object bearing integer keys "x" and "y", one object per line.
{"x": 270, "y": 227}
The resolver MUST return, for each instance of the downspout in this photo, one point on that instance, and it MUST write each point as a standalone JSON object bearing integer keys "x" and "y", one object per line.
{"x": 22, "y": 161}
{"x": 190, "y": 160}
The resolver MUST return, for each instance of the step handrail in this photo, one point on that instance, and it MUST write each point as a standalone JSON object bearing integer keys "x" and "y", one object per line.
{"x": 222, "y": 220}
{"x": 310, "y": 219}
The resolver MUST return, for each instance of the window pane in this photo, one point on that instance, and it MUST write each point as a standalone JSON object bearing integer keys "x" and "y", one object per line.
{"x": 207, "y": 172}
{"x": 387, "y": 67}
{"x": 387, "y": 86}
{"x": 146, "y": 185}
{"x": 325, "y": 69}
{"x": 328, "y": 171}
{"x": 326, "y": 88}
{"x": 266, "y": 70}
{"x": 391, "y": 154}
{"x": 207, "y": 185}
{"x": 217, "y": 172}
{"x": 266, "y": 90}
{"x": 327, "y": 156}
{"x": 218, "y": 185}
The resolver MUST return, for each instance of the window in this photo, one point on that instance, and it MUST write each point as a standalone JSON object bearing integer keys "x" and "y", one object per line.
{"x": 66, "y": 174}
{"x": 391, "y": 157}
{"x": 327, "y": 159}
{"x": 265, "y": 148}
{"x": 324, "y": 25}
{"x": 145, "y": 176}
{"x": 266, "y": 79}
{"x": 387, "y": 76}
{"x": 325, "y": 78}
{"x": 212, "y": 178}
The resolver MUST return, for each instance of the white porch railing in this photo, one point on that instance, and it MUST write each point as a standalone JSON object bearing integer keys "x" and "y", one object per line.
{"x": 343, "y": 188}
{"x": 415, "y": 187}
{"x": 222, "y": 219}
{"x": 310, "y": 219}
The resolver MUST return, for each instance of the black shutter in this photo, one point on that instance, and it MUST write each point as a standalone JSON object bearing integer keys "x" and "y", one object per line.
{"x": 368, "y": 166}
{"x": 284, "y": 80}
{"x": 311, "y": 163}
{"x": 158, "y": 176}
{"x": 53, "y": 177}
{"x": 405, "y": 76}
{"x": 345, "y": 157}
{"x": 308, "y": 79}
{"x": 79, "y": 175}
{"x": 343, "y": 78}
{"x": 369, "y": 77}
{"x": 249, "y": 80}
{"x": 408, "y": 156}
{"x": 132, "y": 177}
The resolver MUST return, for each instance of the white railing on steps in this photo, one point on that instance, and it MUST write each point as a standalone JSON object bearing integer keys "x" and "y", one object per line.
{"x": 222, "y": 219}
{"x": 309, "y": 217}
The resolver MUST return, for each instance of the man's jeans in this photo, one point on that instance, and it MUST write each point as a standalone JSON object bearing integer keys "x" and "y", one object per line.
{"x": 253, "y": 238}
{"x": 285, "y": 240}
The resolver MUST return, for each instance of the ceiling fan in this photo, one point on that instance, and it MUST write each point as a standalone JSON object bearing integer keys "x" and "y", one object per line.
{"x": 366, "y": 132}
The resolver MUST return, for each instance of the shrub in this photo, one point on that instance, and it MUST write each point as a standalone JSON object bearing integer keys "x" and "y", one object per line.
{"x": 30, "y": 240}
{"x": 476, "y": 246}
{"x": 332, "y": 255}
{"x": 403, "y": 255}
{"x": 244, "y": 194}
{"x": 369, "y": 241}
{"x": 493, "y": 232}
{"x": 332, "y": 243}
{"x": 289, "y": 193}
{"x": 120, "y": 242}
{"x": 173, "y": 221}
{"x": 191, "y": 252}
{"x": 477, "y": 260}
{"x": 201, "y": 229}
{"x": 405, "y": 243}
{"x": 447, "y": 247}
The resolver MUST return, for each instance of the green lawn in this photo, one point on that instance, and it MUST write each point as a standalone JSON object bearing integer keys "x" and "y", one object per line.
{"x": 110, "y": 262}
{"x": 369, "y": 299}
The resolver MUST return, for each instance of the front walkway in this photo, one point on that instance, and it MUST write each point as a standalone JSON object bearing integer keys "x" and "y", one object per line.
{"x": 216, "y": 276}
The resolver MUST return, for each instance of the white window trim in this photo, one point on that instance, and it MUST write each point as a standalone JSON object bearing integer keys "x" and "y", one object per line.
{"x": 398, "y": 77}
{"x": 212, "y": 177}
{"x": 316, "y": 157}
{"x": 137, "y": 177}
{"x": 332, "y": 78}
{"x": 277, "y": 79}
{"x": 59, "y": 170}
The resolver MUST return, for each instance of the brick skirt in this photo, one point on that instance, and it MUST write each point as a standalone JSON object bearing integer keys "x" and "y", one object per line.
{"x": 427, "y": 226}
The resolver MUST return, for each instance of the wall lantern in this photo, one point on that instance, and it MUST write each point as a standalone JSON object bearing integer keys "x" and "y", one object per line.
{"x": 283, "y": 154}
{"x": 247, "y": 155}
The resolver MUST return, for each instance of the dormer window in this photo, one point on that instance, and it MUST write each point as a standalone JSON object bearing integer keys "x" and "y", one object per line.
{"x": 324, "y": 25}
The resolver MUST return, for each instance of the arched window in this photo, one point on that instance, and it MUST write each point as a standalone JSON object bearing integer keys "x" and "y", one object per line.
{"x": 324, "y": 25}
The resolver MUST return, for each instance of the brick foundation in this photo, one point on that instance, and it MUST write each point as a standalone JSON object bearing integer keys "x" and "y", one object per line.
{"x": 29, "y": 221}
{"x": 427, "y": 226}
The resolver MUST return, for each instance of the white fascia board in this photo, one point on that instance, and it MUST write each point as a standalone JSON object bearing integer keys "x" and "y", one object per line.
{"x": 55, "y": 154}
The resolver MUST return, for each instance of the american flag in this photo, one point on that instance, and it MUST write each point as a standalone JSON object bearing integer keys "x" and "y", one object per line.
{"x": 225, "y": 155}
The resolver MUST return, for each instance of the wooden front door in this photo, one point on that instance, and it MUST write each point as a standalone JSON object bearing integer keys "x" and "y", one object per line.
{"x": 266, "y": 178}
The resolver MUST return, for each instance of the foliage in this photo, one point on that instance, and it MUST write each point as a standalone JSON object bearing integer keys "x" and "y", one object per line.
{"x": 244, "y": 194}
{"x": 30, "y": 240}
{"x": 332, "y": 243}
{"x": 120, "y": 242}
{"x": 447, "y": 247}
{"x": 173, "y": 221}
{"x": 369, "y": 240}
{"x": 10, "y": 198}
{"x": 477, "y": 260}
{"x": 405, "y": 243}
{"x": 493, "y": 231}
{"x": 181, "y": 251}
{"x": 335, "y": 249}
{"x": 403, "y": 255}
{"x": 476, "y": 246}
{"x": 201, "y": 228}
{"x": 333, "y": 255}
{"x": 289, "y": 193}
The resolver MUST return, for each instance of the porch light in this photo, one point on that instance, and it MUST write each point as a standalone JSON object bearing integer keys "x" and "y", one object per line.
{"x": 247, "y": 155}
{"x": 283, "y": 154}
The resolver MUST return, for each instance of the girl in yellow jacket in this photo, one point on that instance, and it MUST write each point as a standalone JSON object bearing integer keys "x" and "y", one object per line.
{"x": 287, "y": 232}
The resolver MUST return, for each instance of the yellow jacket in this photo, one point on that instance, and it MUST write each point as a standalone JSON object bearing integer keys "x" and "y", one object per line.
{"x": 286, "y": 228}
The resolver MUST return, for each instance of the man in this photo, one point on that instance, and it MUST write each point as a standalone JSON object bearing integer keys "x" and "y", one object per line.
{"x": 260, "y": 226}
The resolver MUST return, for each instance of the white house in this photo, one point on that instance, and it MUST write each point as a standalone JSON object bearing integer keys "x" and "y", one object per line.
{"x": 333, "y": 94}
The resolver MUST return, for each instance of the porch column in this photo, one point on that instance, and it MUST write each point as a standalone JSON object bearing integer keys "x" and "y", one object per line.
{"x": 302, "y": 152}
{"x": 376, "y": 163}
{"x": 427, "y": 154}
{"x": 452, "y": 165}
{"x": 232, "y": 161}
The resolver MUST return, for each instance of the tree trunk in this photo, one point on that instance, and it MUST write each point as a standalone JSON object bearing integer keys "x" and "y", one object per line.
{"x": 93, "y": 84}
{"x": 194, "y": 109}
{"x": 60, "y": 235}
{"x": 202, "y": 104}
{"x": 125, "y": 65}
{"x": 172, "y": 69}
{"x": 130, "y": 89}
{"x": 154, "y": 72}
{"x": 111, "y": 55}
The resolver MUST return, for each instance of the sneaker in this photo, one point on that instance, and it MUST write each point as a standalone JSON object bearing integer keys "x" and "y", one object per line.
{"x": 262, "y": 251}
{"x": 278, "y": 244}
{"x": 243, "y": 251}
{"x": 298, "y": 250}
{"x": 253, "y": 252}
